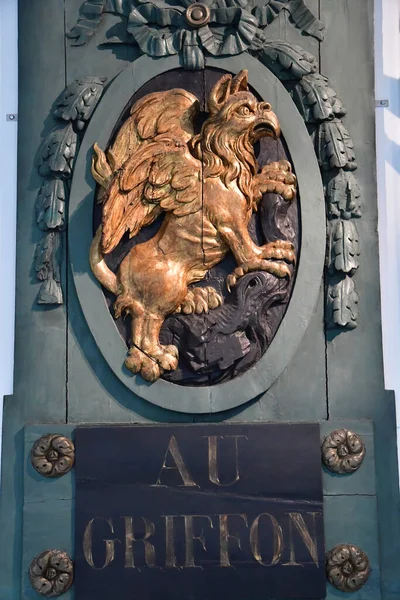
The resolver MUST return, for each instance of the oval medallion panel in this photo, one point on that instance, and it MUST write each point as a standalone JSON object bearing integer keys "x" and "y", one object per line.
{"x": 208, "y": 279}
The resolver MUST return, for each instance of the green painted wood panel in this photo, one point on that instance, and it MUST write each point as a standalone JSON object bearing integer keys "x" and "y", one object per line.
{"x": 40, "y": 349}
{"x": 61, "y": 376}
{"x": 355, "y": 377}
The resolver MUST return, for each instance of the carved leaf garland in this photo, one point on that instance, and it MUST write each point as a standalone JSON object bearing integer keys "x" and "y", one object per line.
{"x": 316, "y": 100}
{"x": 55, "y": 162}
{"x": 47, "y": 264}
{"x": 344, "y": 247}
{"x": 50, "y": 205}
{"x": 79, "y": 100}
{"x": 58, "y": 152}
{"x": 322, "y": 111}
{"x": 287, "y": 62}
{"x": 343, "y": 196}
{"x": 342, "y": 304}
{"x": 334, "y": 146}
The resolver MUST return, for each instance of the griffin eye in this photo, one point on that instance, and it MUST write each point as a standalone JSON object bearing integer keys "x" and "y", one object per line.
{"x": 244, "y": 111}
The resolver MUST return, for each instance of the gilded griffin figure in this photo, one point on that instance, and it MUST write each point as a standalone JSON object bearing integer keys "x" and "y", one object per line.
{"x": 208, "y": 184}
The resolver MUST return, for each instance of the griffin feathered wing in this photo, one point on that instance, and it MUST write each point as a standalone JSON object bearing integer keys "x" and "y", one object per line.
{"x": 153, "y": 169}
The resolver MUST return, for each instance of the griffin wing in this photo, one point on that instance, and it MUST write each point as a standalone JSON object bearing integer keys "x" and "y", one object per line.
{"x": 150, "y": 168}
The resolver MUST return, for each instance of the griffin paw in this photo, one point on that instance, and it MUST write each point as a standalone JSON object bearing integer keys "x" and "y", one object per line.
{"x": 166, "y": 357}
{"x": 277, "y": 268}
{"x": 200, "y": 300}
{"x": 279, "y": 250}
{"x": 138, "y": 362}
{"x": 277, "y": 178}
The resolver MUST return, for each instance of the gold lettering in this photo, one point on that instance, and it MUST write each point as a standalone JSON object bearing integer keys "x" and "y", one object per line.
{"x": 170, "y": 556}
{"x": 255, "y": 540}
{"x": 88, "y": 544}
{"x": 149, "y": 550}
{"x": 310, "y": 542}
{"x": 190, "y": 538}
{"x": 213, "y": 458}
{"x": 225, "y": 536}
{"x": 180, "y": 466}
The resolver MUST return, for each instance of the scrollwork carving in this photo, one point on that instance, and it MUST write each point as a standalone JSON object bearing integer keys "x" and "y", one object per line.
{"x": 53, "y": 455}
{"x": 343, "y": 451}
{"x": 347, "y": 567}
{"x": 55, "y": 162}
{"x": 51, "y": 573}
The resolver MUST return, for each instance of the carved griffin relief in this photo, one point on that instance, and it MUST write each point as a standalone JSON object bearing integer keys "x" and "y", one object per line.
{"x": 208, "y": 184}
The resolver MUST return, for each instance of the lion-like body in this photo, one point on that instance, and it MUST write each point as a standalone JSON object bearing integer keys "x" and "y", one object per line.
{"x": 209, "y": 186}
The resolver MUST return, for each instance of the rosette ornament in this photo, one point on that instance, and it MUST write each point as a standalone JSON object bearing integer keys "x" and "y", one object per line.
{"x": 219, "y": 27}
{"x": 343, "y": 451}
{"x": 51, "y": 573}
{"x": 53, "y": 455}
{"x": 347, "y": 567}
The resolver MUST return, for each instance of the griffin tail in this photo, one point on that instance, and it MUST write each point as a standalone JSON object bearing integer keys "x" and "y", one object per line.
{"x": 98, "y": 265}
{"x": 102, "y": 169}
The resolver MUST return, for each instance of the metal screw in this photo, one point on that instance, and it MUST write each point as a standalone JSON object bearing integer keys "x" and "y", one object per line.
{"x": 382, "y": 103}
{"x": 11, "y": 117}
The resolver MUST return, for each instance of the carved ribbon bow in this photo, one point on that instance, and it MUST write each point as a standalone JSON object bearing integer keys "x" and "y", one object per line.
{"x": 161, "y": 30}
{"x": 220, "y": 27}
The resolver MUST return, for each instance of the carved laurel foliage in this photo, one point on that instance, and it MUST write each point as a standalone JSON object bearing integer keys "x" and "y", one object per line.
{"x": 322, "y": 112}
{"x": 55, "y": 163}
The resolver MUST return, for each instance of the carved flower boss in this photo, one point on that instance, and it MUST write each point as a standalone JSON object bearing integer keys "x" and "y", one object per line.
{"x": 217, "y": 27}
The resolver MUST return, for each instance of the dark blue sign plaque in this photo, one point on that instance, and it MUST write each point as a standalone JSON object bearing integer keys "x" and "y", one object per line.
{"x": 199, "y": 512}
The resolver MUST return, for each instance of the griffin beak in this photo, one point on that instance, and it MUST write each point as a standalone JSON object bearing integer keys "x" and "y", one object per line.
{"x": 267, "y": 125}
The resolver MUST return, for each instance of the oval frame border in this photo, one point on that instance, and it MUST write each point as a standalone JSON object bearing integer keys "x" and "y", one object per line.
{"x": 259, "y": 378}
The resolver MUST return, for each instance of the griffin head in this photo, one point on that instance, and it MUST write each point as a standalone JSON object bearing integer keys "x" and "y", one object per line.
{"x": 233, "y": 106}
{"x": 236, "y": 122}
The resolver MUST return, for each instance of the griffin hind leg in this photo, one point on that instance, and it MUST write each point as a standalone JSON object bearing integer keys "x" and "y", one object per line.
{"x": 138, "y": 362}
{"x": 165, "y": 356}
{"x": 146, "y": 355}
{"x": 200, "y": 300}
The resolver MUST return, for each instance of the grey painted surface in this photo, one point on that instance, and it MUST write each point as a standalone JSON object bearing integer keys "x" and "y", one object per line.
{"x": 38, "y": 513}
